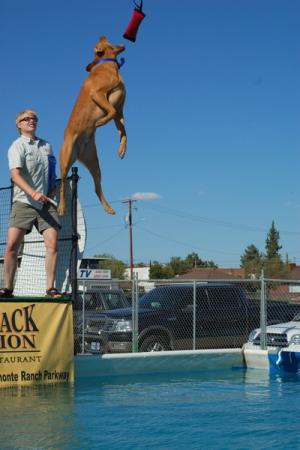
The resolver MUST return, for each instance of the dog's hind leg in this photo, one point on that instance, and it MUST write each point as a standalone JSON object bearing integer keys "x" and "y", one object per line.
{"x": 117, "y": 98}
{"x": 102, "y": 102}
{"x": 67, "y": 156}
{"x": 88, "y": 156}
{"x": 119, "y": 121}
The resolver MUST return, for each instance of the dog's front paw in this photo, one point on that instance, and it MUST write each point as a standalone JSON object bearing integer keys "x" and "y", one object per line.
{"x": 122, "y": 149}
{"x": 109, "y": 210}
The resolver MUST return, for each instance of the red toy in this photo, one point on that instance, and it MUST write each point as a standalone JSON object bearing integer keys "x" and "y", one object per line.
{"x": 133, "y": 26}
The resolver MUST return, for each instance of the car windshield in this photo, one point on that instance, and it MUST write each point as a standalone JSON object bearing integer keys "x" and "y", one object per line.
{"x": 99, "y": 302}
{"x": 91, "y": 302}
{"x": 162, "y": 298}
{"x": 114, "y": 300}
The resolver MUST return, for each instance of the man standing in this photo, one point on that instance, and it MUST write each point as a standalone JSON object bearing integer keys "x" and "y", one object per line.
{"x": 32, "y": 170}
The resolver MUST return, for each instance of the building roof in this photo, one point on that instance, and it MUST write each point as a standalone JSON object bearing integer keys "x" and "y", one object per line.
{"x": 293, "y": 273}
{"x": 209, "y": 273}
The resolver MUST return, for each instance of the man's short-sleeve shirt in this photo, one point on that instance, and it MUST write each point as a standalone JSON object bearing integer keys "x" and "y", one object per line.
{"x": 31, "y": 156}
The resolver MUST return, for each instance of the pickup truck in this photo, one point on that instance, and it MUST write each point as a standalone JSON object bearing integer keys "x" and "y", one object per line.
{"x": 86, "y": 308}
{"x": 167, "y": 320}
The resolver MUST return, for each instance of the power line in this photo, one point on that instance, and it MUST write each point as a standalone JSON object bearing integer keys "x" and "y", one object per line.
{"x": 96, "y": 205}
{"x": 106, "y": 240}
{"x": 216, "y": 222}
{"x": 104, "y": 227}
{"x": 190, "y": 246}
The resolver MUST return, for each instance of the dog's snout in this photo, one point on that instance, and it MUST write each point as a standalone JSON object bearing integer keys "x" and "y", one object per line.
{"x": 119, "y": 49}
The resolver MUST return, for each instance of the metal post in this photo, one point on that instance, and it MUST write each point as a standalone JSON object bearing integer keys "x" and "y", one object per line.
{"x": 11, "y": 192}
{"x": 74, "y": 257}
{"x": 194, "y": 315}
{"x": 263, "y": 312}
{"x": 135, "y": 314}
{"x": 83, "y": 319}
{"x": 130, "y": 238}
{"x": 129, "y": 201}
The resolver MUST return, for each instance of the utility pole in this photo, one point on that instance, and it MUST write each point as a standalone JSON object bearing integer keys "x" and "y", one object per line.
{"x": 130, "y": 201}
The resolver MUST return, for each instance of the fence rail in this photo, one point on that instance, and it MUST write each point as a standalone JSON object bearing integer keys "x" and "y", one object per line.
{"x": 157, "y": 314}
{"x": 181, "y": 315}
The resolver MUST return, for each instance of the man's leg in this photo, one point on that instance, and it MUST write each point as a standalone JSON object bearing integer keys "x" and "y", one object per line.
{"x": 14, "y": 239}
{"x": 50, "y": 236}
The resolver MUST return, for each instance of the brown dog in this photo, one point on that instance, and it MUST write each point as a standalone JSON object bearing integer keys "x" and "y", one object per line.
{"x": 101, "y": 99}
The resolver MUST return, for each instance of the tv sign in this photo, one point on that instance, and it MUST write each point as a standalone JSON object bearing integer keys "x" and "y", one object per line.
{"x": 94, "y": 274}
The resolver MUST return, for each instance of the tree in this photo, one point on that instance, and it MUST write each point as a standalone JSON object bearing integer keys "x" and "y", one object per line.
{"x": 252, "y": 261}
{"x": 116, "y": 266}
{"x": 274, "y": 267}
{"x": 159, "y": 272}
{"x": 272, "y": 243}
{"x": 193, "y": 261}
{"x": 177, "y": 265}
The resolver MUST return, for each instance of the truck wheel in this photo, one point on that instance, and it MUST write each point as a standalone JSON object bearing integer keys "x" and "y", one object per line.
{"x": 155, "y": 344}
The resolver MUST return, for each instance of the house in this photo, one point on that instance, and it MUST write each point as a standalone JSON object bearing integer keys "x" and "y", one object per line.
{"x": 210, "y": 273}
{"x": 291, "y": 289}
{"x": 143, "y": 275}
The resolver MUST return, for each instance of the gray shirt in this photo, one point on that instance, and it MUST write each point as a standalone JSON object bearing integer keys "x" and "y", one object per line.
{"x": 31, "y": 156}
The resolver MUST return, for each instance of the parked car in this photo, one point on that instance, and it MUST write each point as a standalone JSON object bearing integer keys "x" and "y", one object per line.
{"x": 86, "y": 308}
{"x": 166, "y": 316}
{"x": 280, "y": 335}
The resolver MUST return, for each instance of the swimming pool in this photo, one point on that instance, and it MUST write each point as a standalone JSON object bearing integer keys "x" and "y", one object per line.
{"x": 222, "y": 409}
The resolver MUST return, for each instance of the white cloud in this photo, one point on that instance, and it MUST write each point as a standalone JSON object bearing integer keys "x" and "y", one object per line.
{"x": 293, "y": 205}
{"x": 145, "y": 196}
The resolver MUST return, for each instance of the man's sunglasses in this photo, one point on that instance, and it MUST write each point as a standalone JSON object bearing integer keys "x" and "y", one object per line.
{"x": 28, "y": 119}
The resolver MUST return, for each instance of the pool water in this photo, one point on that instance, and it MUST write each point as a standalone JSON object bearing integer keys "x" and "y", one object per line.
{"x": 230, "y": 409}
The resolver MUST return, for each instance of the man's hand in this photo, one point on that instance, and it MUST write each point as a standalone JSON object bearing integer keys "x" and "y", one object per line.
{"x": 39, "y": 197}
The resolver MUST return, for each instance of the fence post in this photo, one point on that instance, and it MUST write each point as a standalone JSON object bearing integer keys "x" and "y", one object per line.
{"x": 11, "y": 192}
{"x": 263, "y": 311}
{"x": 135, "y": 314}
{"x": 74, "y": 252}
{"x": 194, "y": 315}
{"x": 83, "y": 319}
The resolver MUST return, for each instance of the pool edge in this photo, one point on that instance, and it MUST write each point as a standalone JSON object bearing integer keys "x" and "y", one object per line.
{"x": 108, "y": 365}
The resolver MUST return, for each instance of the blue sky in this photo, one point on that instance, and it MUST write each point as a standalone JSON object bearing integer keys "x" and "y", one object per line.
{"x": 212, "y": 116}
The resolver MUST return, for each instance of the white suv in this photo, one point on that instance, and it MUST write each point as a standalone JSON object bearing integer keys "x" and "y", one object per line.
{"x": 280, "y": 335}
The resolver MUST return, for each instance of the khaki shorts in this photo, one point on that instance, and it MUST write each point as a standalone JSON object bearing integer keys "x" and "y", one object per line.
{"x": 25, "y": 216}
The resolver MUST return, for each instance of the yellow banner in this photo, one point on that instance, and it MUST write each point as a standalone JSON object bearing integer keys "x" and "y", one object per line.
{"x": 36, "y": 342}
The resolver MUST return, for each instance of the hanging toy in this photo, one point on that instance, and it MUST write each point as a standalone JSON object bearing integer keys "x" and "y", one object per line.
{"x": 133, "y": 26}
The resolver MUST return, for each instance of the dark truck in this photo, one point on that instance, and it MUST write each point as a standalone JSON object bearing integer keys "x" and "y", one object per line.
{"x": 167, "y": 319}
{"x": 95, "y": 302}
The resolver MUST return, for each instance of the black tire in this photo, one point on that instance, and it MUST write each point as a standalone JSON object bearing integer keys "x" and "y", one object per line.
{"x": 155, "y": 343}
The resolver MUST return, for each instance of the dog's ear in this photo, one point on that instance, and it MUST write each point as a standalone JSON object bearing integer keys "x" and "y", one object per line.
{"x": 101, "y": 45}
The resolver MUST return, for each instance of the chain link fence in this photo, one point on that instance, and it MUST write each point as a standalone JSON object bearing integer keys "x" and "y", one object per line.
{"x": 5, "y": 205}
{"x": 155, "y": 315}
{"x": 30, "y": 276}
{"x": 180, "y": 315}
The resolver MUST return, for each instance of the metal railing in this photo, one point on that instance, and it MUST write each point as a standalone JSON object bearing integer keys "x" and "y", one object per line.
{"x": 183, "y": 315}
{"x": 168, "y": 314}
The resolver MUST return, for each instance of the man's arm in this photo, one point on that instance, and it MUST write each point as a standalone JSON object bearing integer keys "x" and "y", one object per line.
{"x": 17, "y": 178}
